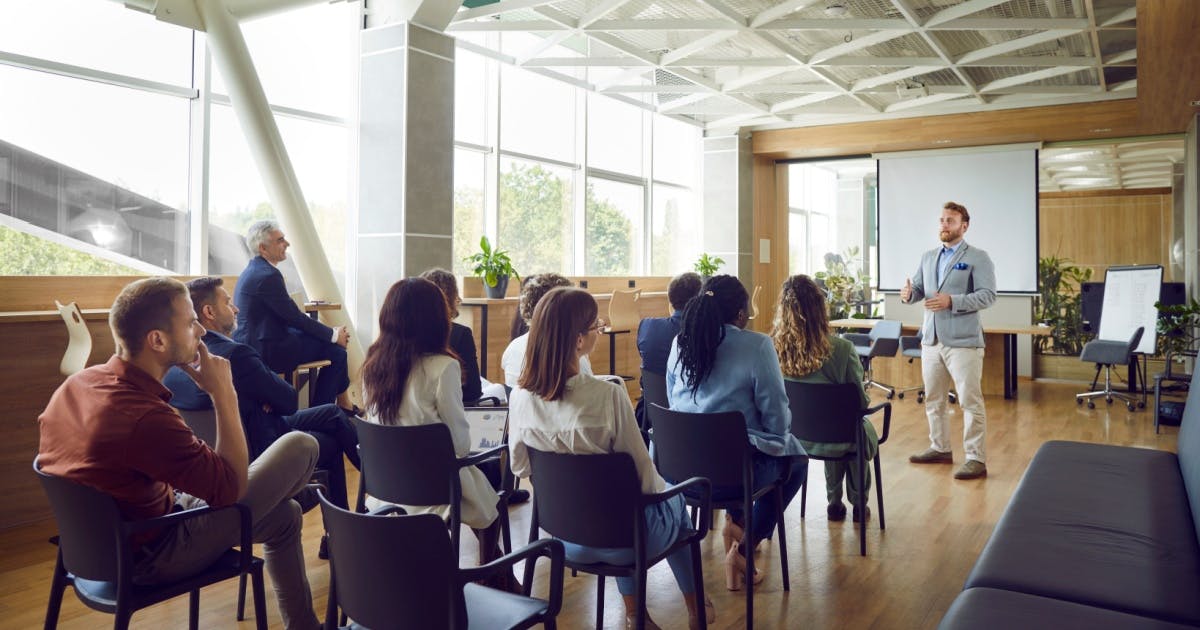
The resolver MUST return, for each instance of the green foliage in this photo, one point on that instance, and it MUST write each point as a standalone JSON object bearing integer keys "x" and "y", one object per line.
{"x": 468, "y": 225}
{"x": 491, "y": 264}
{"x": 1059, "y": 306}
{"x": 707, "y": 265}
{"x": 28, "y": 255}
{"x": 608, "y": 237}
{"x": 535, "y": 218}
{"x": 846, "y": 284}
{"x": 1177, "y": 327}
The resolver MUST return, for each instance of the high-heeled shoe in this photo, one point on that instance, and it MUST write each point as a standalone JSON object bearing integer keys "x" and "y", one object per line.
{"x": 735, "y": 570}
{"x": 732, "y": 533}
{"x": 631, "y": 622}
{"x": 710, "y": 615}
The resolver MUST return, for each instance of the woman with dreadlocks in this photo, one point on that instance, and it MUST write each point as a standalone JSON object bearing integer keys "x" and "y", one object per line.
{"x": 808, "y": 352}
{"x": 717, "y": 366}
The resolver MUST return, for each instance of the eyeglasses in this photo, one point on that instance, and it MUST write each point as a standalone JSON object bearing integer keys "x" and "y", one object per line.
{"x": 597, "y": 327}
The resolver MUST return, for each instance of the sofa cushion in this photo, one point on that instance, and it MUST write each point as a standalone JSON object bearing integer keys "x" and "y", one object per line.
{"x": 1100, "y": 525}
{"x": 977, "y": 608}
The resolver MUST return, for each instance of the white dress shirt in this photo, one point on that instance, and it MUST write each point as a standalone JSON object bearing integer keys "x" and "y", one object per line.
{"x": 513, "y": 361}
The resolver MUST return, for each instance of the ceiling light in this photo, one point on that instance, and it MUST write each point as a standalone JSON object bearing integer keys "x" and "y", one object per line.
{"x": 835, "y": 9}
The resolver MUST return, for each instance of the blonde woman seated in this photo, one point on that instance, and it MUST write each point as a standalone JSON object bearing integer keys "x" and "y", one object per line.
{"x": 809, "y": 353}
{"x": 411, "y": 378}
{"x": 558, "y": 409}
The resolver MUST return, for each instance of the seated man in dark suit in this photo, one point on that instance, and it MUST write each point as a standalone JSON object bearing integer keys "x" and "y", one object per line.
{"x": 271, "y": 323}
{"x": 655, "y": 334}
{"x": 267, "y": 402}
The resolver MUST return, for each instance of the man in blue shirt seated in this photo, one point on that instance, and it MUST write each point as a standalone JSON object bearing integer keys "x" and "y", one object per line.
{"x": 267, "y": 402}
{"x": 271, "y": 323}
{"x": 655, "y": 334}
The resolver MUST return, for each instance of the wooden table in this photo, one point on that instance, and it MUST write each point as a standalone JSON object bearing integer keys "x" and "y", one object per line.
{"x": 1008, "y": 336}
{"x": 314, "y": 308}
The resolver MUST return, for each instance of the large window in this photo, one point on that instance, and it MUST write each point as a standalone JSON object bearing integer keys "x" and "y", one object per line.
{"x": 580, "y": 178}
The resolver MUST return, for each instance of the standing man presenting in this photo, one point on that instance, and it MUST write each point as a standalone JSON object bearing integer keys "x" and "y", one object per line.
{"x": 956, "y": 281}
{"x": 270, "y": 322}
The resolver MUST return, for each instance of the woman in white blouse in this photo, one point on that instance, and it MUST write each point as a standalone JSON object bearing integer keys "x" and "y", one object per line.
{"x": 556, "y": 408}
{"x": 410, "y": 377}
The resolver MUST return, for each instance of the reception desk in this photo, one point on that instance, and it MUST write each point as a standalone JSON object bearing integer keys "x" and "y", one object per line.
{"x": 999, "y": 357}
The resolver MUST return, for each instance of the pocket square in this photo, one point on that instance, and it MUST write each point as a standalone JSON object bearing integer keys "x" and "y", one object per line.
{"x": 961, "y": 265}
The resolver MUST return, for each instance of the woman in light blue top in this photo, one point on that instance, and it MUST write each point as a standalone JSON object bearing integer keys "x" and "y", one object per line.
{"x": 717, "y": 366}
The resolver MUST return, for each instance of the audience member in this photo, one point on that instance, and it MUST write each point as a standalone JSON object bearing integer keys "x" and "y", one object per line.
{"x": 717, "y": 366}
{"x": 810, "y": 353}
{"x": 271, "y": 323}
{"x": 558, "y": 408}
{"x": 110, "y": 427}
{"x": 410, "y": 378}
{"x": 513, "y": 359}
{"x": 655, "y": 334}
{"x": 267, "y": 403}
{"x": 462, "y": 340}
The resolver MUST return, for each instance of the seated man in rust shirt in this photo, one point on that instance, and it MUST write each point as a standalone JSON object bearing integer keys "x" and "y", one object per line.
{"x": 110, "y": 427}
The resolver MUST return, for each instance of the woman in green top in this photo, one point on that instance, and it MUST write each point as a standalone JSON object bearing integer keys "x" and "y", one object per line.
{"x": 809, "y": 353}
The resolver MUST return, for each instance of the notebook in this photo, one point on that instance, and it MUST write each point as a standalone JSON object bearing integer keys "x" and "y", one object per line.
{"x": 488, "y": 426}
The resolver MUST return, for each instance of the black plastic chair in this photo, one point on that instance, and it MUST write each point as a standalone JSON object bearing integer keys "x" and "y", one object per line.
{"x": 597, "y": 501}
{"x": 416, "y": 465}
{"x": 715, "y": 446}
{"x": 95, "y": 556}
{"x": 654, "y": 392}
{"x": 401, "y": 572}
{"x": 834, "y": 413}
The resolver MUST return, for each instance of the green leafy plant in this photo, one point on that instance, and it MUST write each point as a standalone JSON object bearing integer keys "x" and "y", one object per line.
{"x": 491, "y": 264}
{"x": 708, "y": 265}
{"x": 1059, "y": 305}
{"x": 847, "y": 286}
{"x": 1177, "y": 327}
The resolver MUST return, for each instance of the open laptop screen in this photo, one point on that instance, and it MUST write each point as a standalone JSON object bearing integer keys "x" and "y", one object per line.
{"x": 488, "y": 425}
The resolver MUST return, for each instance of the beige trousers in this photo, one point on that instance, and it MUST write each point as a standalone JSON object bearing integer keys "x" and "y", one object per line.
{"x": 942, "y": 366}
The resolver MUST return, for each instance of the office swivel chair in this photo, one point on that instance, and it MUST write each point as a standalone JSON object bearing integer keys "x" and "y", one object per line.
{"x": 883, "y": 341}
{"x": 1105, "y": 354}
{"x": 910, "y": 346}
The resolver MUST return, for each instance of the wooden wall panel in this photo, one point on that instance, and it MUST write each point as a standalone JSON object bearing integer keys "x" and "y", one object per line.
{"x": 770, "y": 223}
{"x": 473, "y": 287}
{"x": 1100, "y": 231}
{"x": 38, "y": 293}
{"x": 1168, "y": 61}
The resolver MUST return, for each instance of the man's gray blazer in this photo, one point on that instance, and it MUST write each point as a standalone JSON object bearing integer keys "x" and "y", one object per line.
{"x": 971, "y": 282}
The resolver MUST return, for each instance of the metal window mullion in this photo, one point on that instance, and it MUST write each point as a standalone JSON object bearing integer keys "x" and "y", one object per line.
{"x": 99, "y": 76}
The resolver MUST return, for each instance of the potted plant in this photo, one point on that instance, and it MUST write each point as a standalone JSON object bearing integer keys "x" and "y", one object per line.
{"x": 1060, "y": 306}
{"x": 708, "y": 265}
{"x": 1177, "y": 328}
{"x": 494, "y": 267}
{"x": 847, "y": 287}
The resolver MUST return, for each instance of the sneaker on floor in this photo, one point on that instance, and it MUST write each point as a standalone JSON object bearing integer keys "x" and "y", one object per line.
{"x": 323, "y": 551}
{"x": 866, "y": 514}
{"x": 971, "y": 470}
{"x": 836, "y": 511}
{"x": 930, "y": 456}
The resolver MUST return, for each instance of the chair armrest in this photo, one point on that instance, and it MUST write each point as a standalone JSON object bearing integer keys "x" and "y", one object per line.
{"x": 385, "y": 510}
{"x": 705, "y": 497}
{"x": 495, "y": 402}
{"x": 246, "y": 541}
{"x": 545, "y": 547}
{"x": 887, "y": 418}
{"x": 859, "y": 339}
{"x": 478, "y": 458}
{"x": 885, "y": 347}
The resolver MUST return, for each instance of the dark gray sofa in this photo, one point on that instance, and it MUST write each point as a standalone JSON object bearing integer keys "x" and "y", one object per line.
{"x": 1095, "y": 536}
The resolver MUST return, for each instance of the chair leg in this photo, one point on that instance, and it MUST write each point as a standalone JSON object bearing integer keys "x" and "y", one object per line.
{"x": 599, "y": 602}
{"x": 879, "y": 491}
{"x": 122, "y": 617}
{"x": 527, "y": 585}
{"x": 640, "y": 599}
{"x": 747, "y": 537}
{"x": 58, "y": 585}
{"x": 331, "y": 607}
{"x": 698, "y": 578}
{"x": 861, "y": 506}
{"x": 194, "y": 609}
{"x": 803, "y": 498}
{"x": 505, "y": 532}
{"x": 241, "y": 609}
{"x": 260, "y": 598}
{"x": 779, "y": 526}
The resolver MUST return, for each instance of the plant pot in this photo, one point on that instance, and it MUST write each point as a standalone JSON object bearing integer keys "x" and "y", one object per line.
{"x": 497, "y": 292}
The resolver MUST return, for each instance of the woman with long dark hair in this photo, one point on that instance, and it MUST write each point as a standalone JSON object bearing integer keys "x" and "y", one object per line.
{"x": 715, "y": 365}
{"x": 411, "y": 378}
{"x": 532, "y": 291}
{"x": 810, "y": 353}
{"x": 559, "y": 409}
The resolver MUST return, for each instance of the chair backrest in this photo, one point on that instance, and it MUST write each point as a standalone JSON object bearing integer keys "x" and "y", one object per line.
{"x": 623, "y": 311}
{"x": 393, "y": 571}
{"x": 754, "y": 301}
{"x": 79, "y": 340}
{"x": 589, "y": 500}
{"x": 712, "y": 445}
{"x": 654, "y": 388}
{"x": 910, "y": 345}
{"x": 412, "y": 465}
{"x": 1135, "y": 339}
{"x": 89, "y": 527}
{"x": 202, "y": 422}
{"x": 825, "y": 412}
{"x": 885, "y": 338}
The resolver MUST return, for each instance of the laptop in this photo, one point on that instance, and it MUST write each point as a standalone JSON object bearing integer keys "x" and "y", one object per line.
{"x": 489, "y": 427}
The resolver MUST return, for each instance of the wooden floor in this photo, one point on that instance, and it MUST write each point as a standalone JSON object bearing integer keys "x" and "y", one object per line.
{"x": 936, "y": 528}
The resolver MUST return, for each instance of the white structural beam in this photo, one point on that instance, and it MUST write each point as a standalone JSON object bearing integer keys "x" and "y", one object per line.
{"x": 1016, "y": 44}
{"x": 778, "y": 11}
{"x": 967, "y": 8}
